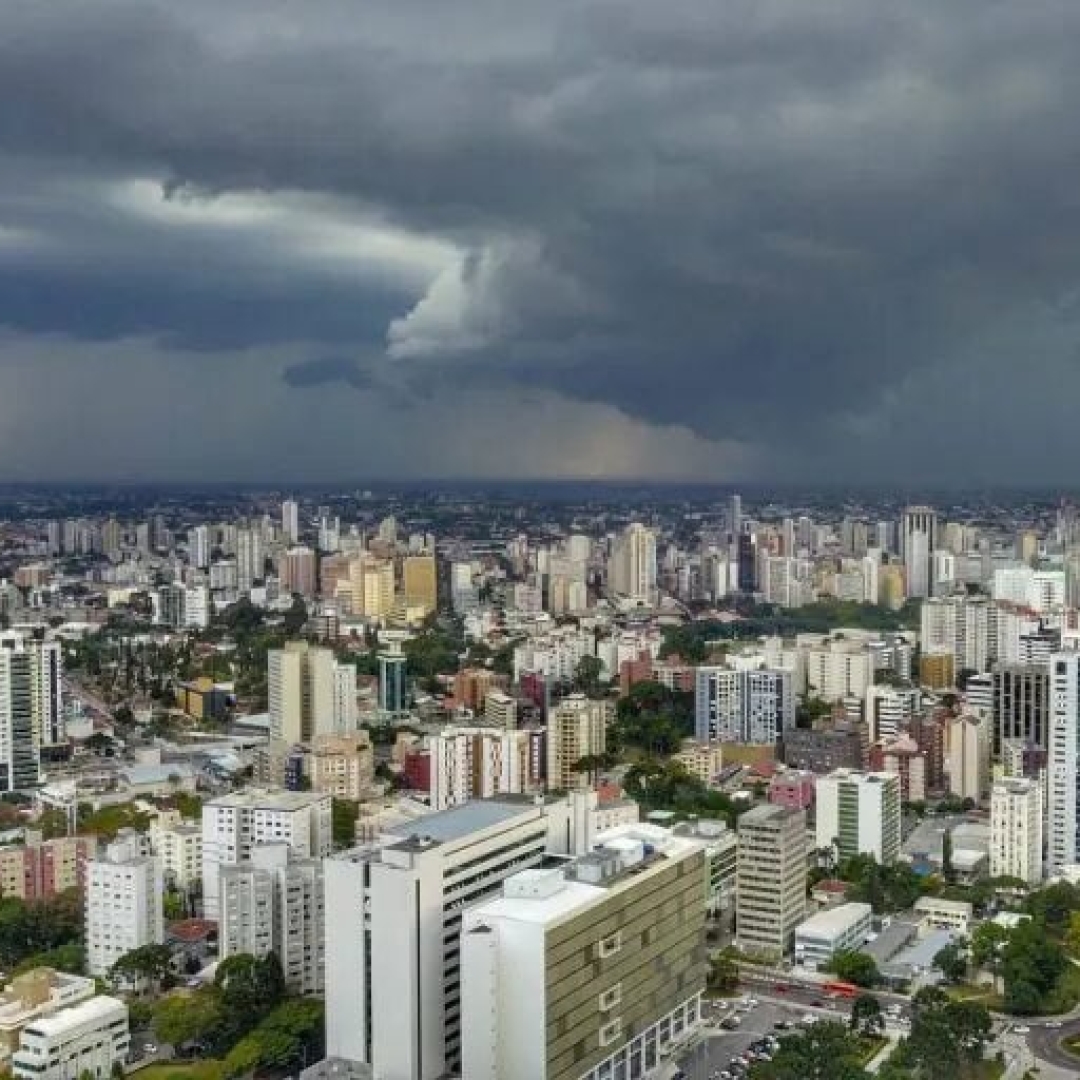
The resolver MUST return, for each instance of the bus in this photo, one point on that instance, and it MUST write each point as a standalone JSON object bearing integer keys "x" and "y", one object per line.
{"x": 841, "y": 989}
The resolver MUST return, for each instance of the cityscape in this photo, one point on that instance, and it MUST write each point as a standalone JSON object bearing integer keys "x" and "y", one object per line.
{"x": 593, "y": 781}
{"x": 538, "y": 540}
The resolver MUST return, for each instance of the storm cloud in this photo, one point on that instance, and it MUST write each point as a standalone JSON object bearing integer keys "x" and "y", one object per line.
{"x": 832, "y": 240}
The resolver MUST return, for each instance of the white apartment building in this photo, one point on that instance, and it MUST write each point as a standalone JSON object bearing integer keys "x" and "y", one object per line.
{"x": 1063, "y": 762}
{"x": 233, "y": 825}
{"x": 309, "y": 693}
{"x": 1016, "y": 830}
{"x": 743, "y": 705}
{"x": 393, "y": 920}
{"x": 632, "y": 567}
{"x": 87, "y": 1039}
{"x": 888, "y": 708}
{"x": 838, "y": 669}
{"x": 590, "y": 971}
{"x": 959, "y": 626}
{"x": 20, "y": 752}
{"x": 34, "y": 994}
{"x": 1040, "y": 590}
{"x": 123, "y": 906}
{"x": 819, "y": 938}
{"x": 481, "y": 763}
{"x": 274, "y": 903}
{"x": 859, "y": 814}
{"x": 577, "y": 728}
{"x": 969, "y": 741}
{"x": 178, "y": 847}
{"x": 770, "y": 883}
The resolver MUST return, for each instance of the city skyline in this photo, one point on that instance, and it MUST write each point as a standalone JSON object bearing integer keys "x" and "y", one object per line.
{"x": 690, "y": 242}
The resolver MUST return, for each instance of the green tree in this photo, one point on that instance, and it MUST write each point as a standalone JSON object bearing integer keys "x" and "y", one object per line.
{"x": 587, "y": 676}
{"x": 248, "y": 983}
{"x": 723, "y": 972}
{"x": 951, "y": 962}
{"x": 854, "y": 966}
{"x": 182, "y": 1017}
{"x": 866, "y": 1018}
{"x": 147, "y": 964}
{"x": 343, "y": 815}
{"x": 826, "y": 1051}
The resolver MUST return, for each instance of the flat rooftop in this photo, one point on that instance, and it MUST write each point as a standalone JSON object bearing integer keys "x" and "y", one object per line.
{"x": 270, "y": 799}
{"x": 445, "y": 826}
{"x": 835, "y": 920}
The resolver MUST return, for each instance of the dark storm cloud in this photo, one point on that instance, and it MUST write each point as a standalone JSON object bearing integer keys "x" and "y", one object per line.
{"x": 764, "y": 219}
{"x": 329, "y": 369}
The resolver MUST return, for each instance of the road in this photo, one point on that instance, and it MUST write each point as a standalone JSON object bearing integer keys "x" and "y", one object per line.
{"x": 1045, "y": 1044}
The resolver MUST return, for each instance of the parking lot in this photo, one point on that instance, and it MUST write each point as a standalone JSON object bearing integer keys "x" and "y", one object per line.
{"x": 714, "y": 1054}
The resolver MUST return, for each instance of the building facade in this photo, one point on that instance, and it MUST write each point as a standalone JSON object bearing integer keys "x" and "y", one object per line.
{"x": 859, "y": 814}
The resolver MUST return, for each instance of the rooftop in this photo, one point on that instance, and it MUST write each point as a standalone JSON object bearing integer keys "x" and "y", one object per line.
{"x": 835, "y": 919}
{"x": 445, "y": 826}
{"x": 270, "y": 799}
{"x": 97, "y": 1008}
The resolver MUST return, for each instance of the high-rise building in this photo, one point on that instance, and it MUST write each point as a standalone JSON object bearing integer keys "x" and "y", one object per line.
{"x": 1063, "y": 766}
{"x": 969, "y": 757}
{"x": 46, "y": 683}
{"x": 298, "y": 570}
{"x": 178, "y": 847}
{"x": 123, "y": 906}
{"x": 343, "y": 766}
{"x": 744, "y": 705}
{"x": 481, "y": 763}
{"x": 199, "y": 547}
{"x": 273, "y": 903}
{"x": 394, "y": 914}
{"x": 918, "y": 542}
{"x": 309, "y": 693}
{"x": 770, "y": 882}
{"x": 39, "y": 870}
{"x": 859, "y": 814}
{"x": 626, "y": 923}
{"x": 1016, "y": 830}
{"x": 233, "y": 825}
{"x": 632, "y": 569}
{"x": 250, "y": 559}
{"x": 1021, "y": 703}
{"x": 20, "y": 751}
{"x": 576, "y": 729}
{"x": 393, "y": 687}
{"x": 418, "y": 582}
{"x": 290, "y": 521}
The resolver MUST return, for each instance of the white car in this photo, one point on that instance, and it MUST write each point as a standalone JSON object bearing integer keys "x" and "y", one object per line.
{"x": 1022, "y": 1029}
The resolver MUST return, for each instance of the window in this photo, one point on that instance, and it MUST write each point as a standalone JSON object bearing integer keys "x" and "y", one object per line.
{"x": 611, "y": 997}
{"x": 610, "y": 945}
{"x": 610, "y": 1032}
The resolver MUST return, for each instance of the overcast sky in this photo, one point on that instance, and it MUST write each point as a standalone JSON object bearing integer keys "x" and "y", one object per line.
{"x": 717, "y": 239}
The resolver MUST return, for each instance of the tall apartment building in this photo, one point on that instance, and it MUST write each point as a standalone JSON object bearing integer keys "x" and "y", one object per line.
{"x": 589, "y": 971}
{"x": 480, "y": 763}
{"x": 918, "y": 542}
{"x": 20, "y": 750}
{"x": 577, "y": 728}
{"x": 123, "y": 906}
{"x": 1063, "y": 765}
{"x": 1021, "y": 704}
{"x": 838, "y": 668}
{"x": 1016, "y": 830}
{"x": 888, "y": 708}
{"x": 87, "y": 1039}
{"x": 969, "y": 757}
{"x": 959, "y": 626}
{"x": 820, "y": 750}
{"x": 309, "y": 693}
{"x": 632, "y": 567}
{"x": 298, "y": 569}
{"x": 859, "y": 814}
{"x": 178, "y": 847}
{"x": 393, "y": 923}
{"x": 343, "y": 766}
{"x": 41, "y": 869}
{"x": 274, "y": 903}
{"x": 419, "y": 584}
{"x": 755, "y": 705}
{"x": 290, "y": 521}
{"x": 234, "y": 825}
{"x": 770, "y": 882}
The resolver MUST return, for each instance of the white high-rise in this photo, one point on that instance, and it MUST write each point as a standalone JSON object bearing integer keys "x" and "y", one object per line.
{"x": 1016, "y": 830}
{"x": 309, "y": 693}
{"x": 274, "y": 903}
{"x": 250, "y": 559}
{"x": 123, "y": 906}
{"x": 632, "y": 569}
{"x": 290, "y": 521}
{"x": 1063, "y": 766}
{"x": 480, "y": 763}
{"x": 859, "y": 814}
{"x": 393, "y": 922}
{"x": 234, "y": 825}
{"x": 918, "y": 540}
{"x": 199, "y": 547}
{"x": 754, "y": 705}
{"x": 20, "y": 753}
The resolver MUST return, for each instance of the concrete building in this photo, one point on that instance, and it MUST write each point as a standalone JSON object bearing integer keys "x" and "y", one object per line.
{"x": 37, "y": 870}
{"x": 902, "y": 757}
{"x": 500, "y": 709}
{"x": 1063, "y": 766}
{"x": 859, "y": 814}
{"x": 743, "y": 705}
{"x": 969, "y": 757}
{"x": 577, "y": 728}
{"x": 918, "y": 542}
{"x": 1021, "y": 704}
{"x": 123, "y": 906}
{"x": 20, "y": 751}
{"x": 481, "y": 763}
{"x": 419, "y": 583}
{"x": 770, "y": 887}
{"x": 394, "y": 912}
{"x": 274, "y": 903}
{"x": 34, "y": 994}
{"x": 838, "y": 668}
{"x": 309, "y": 693}
{"x": 632, "y": 567}
{"x": 705, "y": 760}
{"x": 87, "y": 1039}
{"x": 178, "y": 847}
{"x": 1016, "y": 830}
{"x": 343, "y": 766}
{"x": 589, "y": 971}
{"x": 823, "y": 749}
{"x": 839, "y": 928}
{"x": 233, "y": 825}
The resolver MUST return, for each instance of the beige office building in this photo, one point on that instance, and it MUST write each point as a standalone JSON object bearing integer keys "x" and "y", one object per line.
{"x": 419, "y": 584}
{"x": 770, "y": 882}
{"x": 586, "y": 972}
{"x": 577, "y": 728}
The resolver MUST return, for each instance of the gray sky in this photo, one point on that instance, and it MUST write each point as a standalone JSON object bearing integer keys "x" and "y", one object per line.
{"x": 700, "y": 238}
